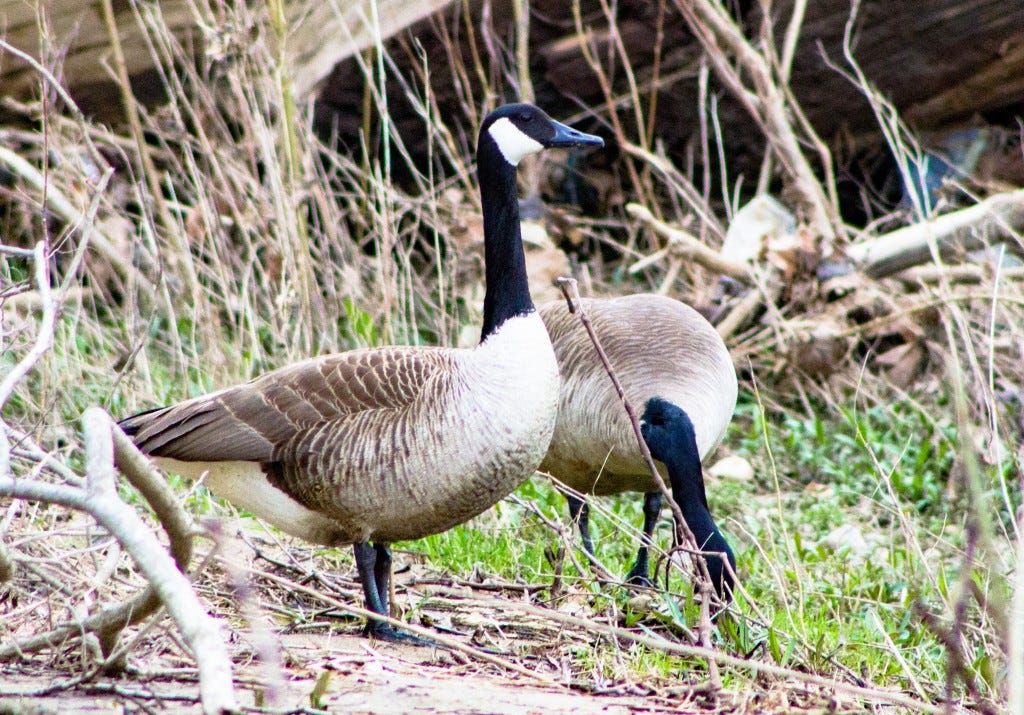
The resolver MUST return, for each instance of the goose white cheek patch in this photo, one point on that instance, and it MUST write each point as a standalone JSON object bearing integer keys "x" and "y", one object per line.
{"x": 512, "y": 143}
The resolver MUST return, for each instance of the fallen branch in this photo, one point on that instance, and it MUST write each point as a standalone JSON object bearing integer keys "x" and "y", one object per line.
{"x": 962, "y": 273}
{"x": 99, "y": 499}
{"x": 998, "y": 216}
{"x": 682, "y": 244}
{"x": 739, "y": 314}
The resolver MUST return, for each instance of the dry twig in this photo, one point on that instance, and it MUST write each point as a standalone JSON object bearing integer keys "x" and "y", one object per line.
{"x": 683, "y": 245}
{"x": 593, "y": 625}
{"x": 683, "y": 533}
{"x": 768, "y": 104}
{"x": 99, "y": 499}
{"x": 410, "y": 627}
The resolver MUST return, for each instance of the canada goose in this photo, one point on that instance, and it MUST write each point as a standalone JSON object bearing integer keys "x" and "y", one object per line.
{"x": 659, "y": 348}
{"x": 378, "y": 445}
{"x": 669, "y": 434}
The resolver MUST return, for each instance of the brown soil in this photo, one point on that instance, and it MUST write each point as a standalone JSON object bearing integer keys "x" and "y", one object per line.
{"x": 302, "y": 642}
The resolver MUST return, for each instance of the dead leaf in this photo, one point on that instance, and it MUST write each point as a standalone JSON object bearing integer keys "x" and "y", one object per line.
{"x": 903, "y": 363}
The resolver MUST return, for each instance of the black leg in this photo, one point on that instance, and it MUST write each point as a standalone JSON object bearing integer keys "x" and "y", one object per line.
{"x": 640, "y": 573}
{"x": 382, "y": 574}
{"x": 366, "y": 565}
{"x": 373, "y": 562}
{"x": 579, "y": 512}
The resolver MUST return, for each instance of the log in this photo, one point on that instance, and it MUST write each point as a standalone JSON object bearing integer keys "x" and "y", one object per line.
{"x": 916, "y": 55}
{"x": 996, "y": 218}
{"x": 320, "y": 35}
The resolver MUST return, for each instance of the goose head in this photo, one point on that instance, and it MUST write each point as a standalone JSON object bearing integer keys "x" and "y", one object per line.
{"x": 508, "y": 134}
{"x": 518, "y": 130}
{"x": 670, "y": 437}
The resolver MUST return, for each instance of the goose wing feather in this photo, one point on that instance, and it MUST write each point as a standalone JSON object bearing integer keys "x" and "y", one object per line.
{"x": 252, "y": 421}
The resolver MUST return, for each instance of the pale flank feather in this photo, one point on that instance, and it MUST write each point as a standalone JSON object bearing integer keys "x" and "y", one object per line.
{"x": 659, "y": 348}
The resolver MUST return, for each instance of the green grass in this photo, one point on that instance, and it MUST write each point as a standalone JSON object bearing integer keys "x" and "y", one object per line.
{"x": 890, "y": 475}
{"x": 882, "y": 473}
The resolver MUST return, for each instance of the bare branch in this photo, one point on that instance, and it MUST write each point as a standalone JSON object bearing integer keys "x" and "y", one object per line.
{"x": 26, "y": 448}
{"x": 1001, "y": 215}
{"x": 43, "y": 72}
{"x": 682, "y": 244}
{"x": 768, "y": 105}
{"x": 145, "y": 477}
{"x": 200, "y": 631}
{"x": 171, "y": 586}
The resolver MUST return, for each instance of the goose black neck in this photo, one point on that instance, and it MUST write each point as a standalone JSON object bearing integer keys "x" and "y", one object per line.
{"x": 686, "y": 478}
{"x": 507, "y": 290}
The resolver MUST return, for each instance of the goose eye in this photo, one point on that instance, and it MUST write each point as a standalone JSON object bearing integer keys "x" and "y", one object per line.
{"x": 526, "y": 117}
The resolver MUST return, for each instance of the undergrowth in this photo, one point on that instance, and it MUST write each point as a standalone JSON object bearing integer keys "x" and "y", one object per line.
{"x": 876, "y": 517}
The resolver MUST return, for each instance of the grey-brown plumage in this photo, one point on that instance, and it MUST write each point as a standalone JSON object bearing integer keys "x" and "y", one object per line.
{"x": 371, "y": 443}
{"x": 659, "y": 348}
{"x": 379, "y": 445}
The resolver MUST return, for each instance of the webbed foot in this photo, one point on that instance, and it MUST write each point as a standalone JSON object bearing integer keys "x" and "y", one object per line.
{"x": 386, "y": 632}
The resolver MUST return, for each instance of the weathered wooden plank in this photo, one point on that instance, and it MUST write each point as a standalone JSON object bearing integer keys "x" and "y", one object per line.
{"x": 939, "y": 63}
{"x": 71, "y": 37}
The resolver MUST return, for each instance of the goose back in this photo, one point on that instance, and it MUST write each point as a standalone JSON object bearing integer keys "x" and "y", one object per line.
{"x": 658, "y": 347}
{"x": 384, "y": 444}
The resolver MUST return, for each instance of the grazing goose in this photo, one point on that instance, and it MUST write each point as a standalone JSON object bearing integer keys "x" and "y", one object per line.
{"x": 669, "y": 434}
{"x": 379, "y": 445}
{"x": 659, "y": 348}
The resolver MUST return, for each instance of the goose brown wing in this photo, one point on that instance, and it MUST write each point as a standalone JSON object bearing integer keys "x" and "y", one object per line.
{"x": 250, "y": 421}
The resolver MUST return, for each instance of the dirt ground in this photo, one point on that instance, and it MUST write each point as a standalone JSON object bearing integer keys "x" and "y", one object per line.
{"x": 365, "y": 677}
{"x": 294, "y": 653}
{"x": 370, "y": 677}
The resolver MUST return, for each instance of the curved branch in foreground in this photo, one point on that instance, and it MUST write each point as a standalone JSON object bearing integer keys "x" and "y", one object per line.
{"x": 110, "y": 621}
{"x": 199, "y": 630}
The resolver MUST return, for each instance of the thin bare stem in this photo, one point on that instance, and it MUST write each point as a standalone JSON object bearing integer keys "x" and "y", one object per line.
{"x": 44, "y": 337}
{"x": 719, "y": 33}
{"x": 684, "y": 535}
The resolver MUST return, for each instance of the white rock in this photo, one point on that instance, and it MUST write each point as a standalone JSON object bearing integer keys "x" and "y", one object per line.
{"x": 732, "y": 468}
{"x": 753, "y": 226}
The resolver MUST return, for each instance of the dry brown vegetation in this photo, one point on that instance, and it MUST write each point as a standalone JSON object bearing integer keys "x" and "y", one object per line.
{"x": 216, "y": 235}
